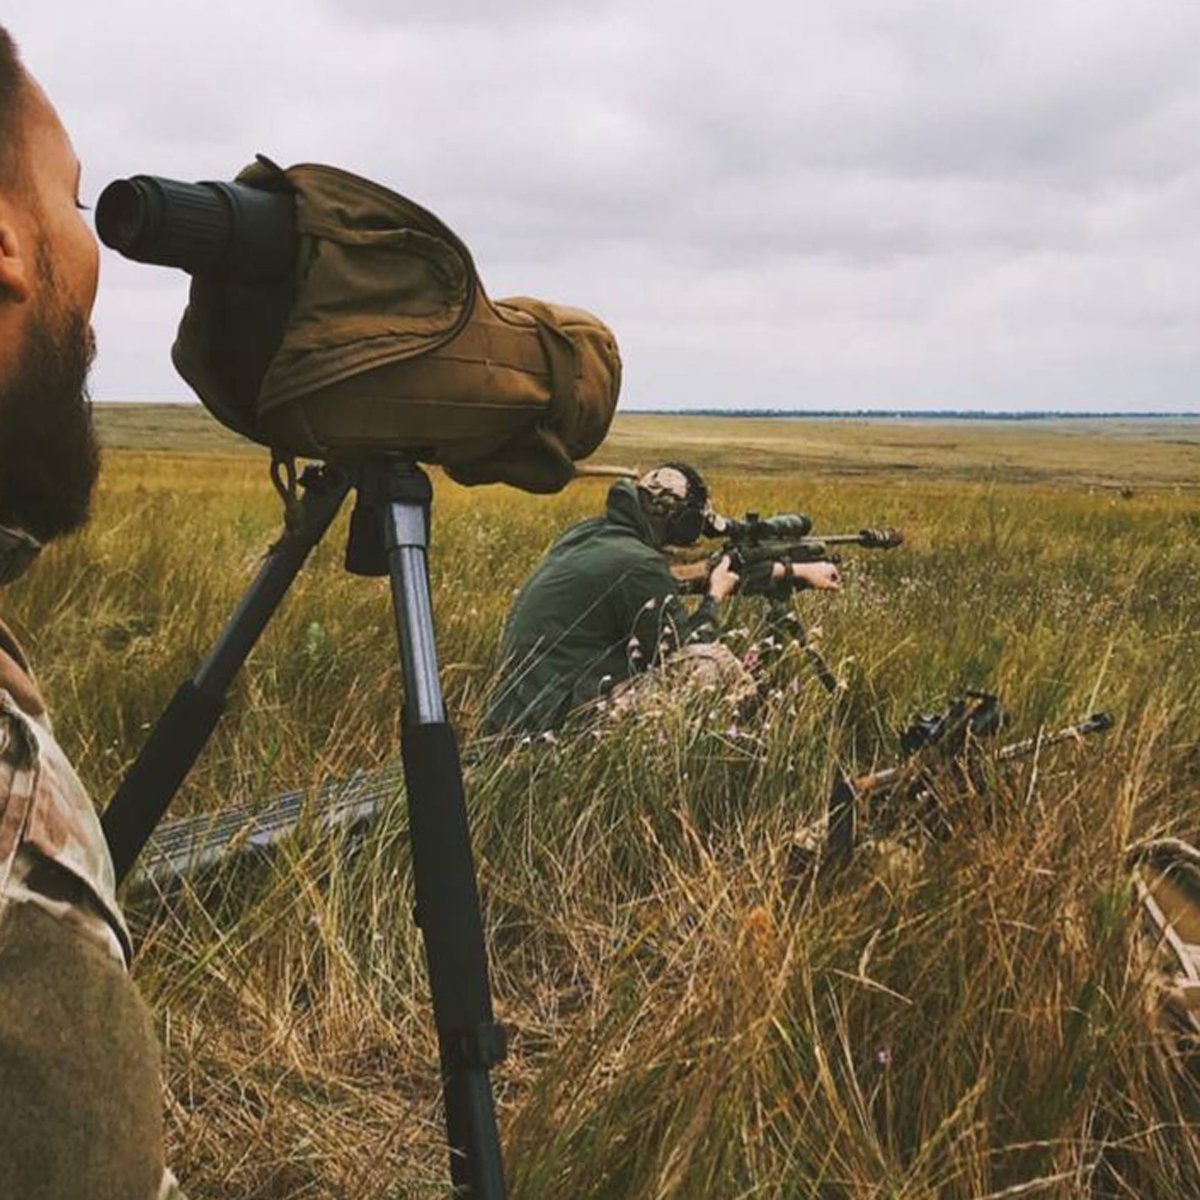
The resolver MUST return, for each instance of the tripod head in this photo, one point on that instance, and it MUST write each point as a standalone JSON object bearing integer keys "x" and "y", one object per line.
{"x": 378, "y": 484}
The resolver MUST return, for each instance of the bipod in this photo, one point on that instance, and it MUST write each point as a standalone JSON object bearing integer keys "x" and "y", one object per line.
{"x": 840, "y": 812}
{"x": 389, "y": 535}
{"x": 783, "y": 617}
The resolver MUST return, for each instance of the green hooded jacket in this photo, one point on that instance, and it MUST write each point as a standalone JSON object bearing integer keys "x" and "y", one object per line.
{"x": 600, "y": 607}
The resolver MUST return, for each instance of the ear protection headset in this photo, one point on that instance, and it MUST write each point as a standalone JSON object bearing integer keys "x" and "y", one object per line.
{"x": 685, "y": 525}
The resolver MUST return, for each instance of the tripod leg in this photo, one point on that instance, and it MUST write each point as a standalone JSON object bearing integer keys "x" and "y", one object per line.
{"x": 470, "y": 1042}
{"x": 188, "y": 721}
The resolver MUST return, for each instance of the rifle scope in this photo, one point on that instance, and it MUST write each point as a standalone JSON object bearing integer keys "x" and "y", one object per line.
{"x": 785, "y": 527}
{"x": 239, "y": 233}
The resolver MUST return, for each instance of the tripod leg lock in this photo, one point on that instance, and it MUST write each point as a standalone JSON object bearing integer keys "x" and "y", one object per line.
{"x": 480, "y": 1048}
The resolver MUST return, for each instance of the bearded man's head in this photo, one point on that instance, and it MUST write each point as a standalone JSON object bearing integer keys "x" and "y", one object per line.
{"x": 49, "y": 264}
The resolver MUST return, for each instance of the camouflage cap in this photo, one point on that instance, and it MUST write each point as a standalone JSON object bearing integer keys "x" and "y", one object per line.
{"x": 665, "y": 489}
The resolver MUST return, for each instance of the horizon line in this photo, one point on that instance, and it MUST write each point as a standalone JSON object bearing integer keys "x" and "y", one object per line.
{"x": 708, "y": 411}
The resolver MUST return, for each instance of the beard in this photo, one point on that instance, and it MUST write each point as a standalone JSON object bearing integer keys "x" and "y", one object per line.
{"x": 49, "y": 454}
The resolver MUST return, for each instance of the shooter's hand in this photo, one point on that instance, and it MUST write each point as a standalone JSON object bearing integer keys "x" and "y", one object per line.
{"x": 821, "y": 576}
{"x": 723, "y": 580}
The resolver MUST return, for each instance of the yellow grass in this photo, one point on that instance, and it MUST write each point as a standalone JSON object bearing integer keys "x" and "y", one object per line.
{"x": 689, "y": 1018}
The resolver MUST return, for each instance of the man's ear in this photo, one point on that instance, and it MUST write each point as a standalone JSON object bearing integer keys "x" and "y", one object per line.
{"x": 15, "y": 266}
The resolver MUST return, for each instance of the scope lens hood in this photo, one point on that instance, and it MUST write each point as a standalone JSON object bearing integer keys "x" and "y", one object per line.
{"x": 239, "y": 233}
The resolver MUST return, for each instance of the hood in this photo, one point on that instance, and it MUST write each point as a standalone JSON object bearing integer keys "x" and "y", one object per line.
{"x": 625, "y": 509}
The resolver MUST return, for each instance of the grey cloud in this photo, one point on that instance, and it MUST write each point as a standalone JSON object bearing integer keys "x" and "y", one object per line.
{"x": 465, "y": 13}
{"x": 946, "y": 201}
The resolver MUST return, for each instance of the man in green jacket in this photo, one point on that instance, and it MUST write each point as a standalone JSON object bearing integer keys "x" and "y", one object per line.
{"x": 602, "y": 606}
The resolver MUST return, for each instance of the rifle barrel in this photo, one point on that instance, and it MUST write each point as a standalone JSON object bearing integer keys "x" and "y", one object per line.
{"x": 869, "y": 539}
{"x": 836, "y": 539}
{"x": 1096, "y": 723}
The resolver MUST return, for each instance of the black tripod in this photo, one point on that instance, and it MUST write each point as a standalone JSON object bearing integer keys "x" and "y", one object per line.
{"x": 389, "y": 533}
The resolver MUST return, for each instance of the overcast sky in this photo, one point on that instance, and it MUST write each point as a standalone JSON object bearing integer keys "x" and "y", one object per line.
{"x": 851, "y": 203}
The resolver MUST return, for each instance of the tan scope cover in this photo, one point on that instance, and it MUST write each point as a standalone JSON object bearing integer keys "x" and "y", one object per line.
{"x": 392, "y": 345}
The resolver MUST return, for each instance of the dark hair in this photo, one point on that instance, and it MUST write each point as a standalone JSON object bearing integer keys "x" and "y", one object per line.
{"x": 12, "y": 104}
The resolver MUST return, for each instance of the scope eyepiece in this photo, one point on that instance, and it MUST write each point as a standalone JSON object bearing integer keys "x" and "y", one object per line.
{"x": 233, "y": 231}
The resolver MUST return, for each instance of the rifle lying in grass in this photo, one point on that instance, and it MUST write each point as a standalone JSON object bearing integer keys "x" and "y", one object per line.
{"x": 189, "y": 848}
{"x": 755, "y": 544}
{"x": 935, "y": 742}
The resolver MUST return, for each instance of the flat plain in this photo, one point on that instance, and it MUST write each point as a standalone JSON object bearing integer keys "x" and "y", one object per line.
{"x": 691, "y": 1015}
{"x": 1102, "y": 451}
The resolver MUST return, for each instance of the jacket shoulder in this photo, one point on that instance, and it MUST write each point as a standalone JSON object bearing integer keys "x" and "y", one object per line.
{"x": 52, "y": 848}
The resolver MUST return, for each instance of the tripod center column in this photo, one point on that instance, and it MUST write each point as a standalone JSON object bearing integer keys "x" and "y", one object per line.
{"x": 405, "y": 539}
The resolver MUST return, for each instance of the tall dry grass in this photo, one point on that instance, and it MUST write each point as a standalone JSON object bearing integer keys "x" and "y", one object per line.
{"x": 690, "y": 1016}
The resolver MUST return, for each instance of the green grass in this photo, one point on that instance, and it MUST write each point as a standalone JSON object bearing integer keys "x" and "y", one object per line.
{"x": 186, "y": 428}
{"x": 690, "y": 1018}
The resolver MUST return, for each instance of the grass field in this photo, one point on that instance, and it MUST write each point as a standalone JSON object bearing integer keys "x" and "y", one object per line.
{"x": 688, "y": 1018}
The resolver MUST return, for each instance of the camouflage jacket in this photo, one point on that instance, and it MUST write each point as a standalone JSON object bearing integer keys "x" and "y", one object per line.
{"x": 52, "y": 850}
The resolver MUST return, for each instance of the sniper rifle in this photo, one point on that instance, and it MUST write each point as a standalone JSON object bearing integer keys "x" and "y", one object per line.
{"x": 932, "y": 741}
{"x": 755, "y": 544}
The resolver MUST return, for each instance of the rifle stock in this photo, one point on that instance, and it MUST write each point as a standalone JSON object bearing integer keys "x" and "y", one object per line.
{"x": 691, "y": 576}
